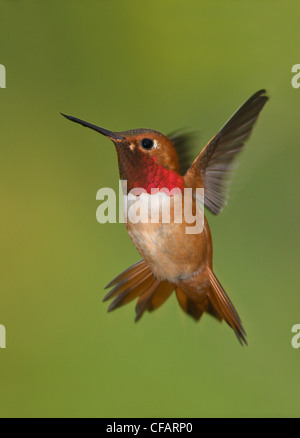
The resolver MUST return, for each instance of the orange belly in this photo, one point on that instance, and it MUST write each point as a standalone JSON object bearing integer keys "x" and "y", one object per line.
{"x": 170, "y": 249}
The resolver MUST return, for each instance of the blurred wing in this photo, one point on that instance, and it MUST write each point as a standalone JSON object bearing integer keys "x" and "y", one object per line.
{"x": 183, "y": 143}
{"x": 212, "y": 168}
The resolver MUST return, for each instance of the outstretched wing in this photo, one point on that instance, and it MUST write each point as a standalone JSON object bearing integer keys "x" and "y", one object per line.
{"x": 183, "y": 143}
{"x": 212, "y": 168}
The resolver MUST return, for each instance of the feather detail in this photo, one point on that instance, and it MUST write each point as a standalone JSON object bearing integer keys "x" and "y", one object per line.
{"x": 183, "y": 143}
{"x": 153, "y": 298}
{"x": 189, "y": 306}
{"x": 225, "y": 308}
{"x": 138, "y": 281}
{"x": 214, "y": 165}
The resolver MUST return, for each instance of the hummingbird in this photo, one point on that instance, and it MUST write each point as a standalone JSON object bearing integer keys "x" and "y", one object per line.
{"x": 172, "y": 259}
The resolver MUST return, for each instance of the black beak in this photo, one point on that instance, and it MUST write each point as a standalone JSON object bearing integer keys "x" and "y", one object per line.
{"x": 114, "y": 136}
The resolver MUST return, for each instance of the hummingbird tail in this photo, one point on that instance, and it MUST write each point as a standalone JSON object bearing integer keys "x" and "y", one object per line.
{"x": 224, "y": 307}
{"x": 212, "y": 299}
{"x": 138, "y": 282}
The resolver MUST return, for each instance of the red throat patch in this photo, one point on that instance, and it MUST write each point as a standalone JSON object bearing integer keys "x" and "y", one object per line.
{"x": 151, "y": 176}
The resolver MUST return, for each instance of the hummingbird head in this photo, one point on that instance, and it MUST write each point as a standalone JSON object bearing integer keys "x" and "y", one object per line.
{"x": 147, "y": 158}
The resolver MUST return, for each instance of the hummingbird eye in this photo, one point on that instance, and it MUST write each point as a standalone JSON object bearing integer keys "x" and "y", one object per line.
{"x": 147, "y": 143}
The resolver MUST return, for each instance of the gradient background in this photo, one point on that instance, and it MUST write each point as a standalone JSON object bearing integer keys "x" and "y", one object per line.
{"x": 162, "y": 65}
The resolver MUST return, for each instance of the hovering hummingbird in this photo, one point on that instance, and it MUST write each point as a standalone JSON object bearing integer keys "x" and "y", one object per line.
{"x": 171, "y": 258}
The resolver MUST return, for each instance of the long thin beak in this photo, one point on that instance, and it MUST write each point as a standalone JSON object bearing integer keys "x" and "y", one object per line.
{"x": 112, "y": 135}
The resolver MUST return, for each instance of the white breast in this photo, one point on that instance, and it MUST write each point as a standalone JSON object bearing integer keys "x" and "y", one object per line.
{"x": 147, "y": 208}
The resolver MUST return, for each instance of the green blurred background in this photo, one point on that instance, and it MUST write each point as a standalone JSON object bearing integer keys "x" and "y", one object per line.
{"x": 163, "y": 65}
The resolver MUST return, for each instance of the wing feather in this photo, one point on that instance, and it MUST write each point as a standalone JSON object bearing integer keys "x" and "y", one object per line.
{"x": 215, "y": 163}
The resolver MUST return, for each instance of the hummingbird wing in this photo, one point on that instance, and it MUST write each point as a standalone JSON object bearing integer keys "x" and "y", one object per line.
{"x": 215, "y": 163}
{"x": 183, "y": 143}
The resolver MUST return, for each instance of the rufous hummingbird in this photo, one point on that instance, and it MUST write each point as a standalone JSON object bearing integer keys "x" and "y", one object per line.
{"x": 172, "y": 259}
